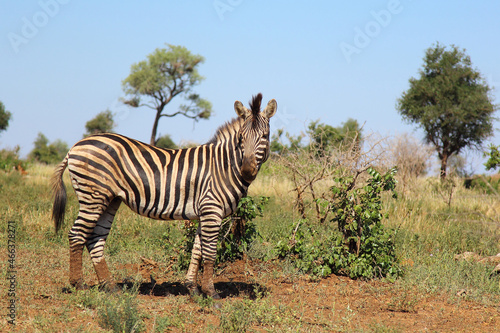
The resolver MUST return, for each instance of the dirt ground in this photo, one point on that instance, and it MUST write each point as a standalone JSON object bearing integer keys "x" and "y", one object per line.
{"x": 369, "y": 303}
{"x": 333, "y": 304}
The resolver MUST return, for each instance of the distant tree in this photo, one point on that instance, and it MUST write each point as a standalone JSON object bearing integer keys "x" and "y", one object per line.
{"x": 325, "y": 137}
{"x": 166, "y": 73}
{"x": 279, "y": 146}
{"x": 4, "y": 117}
{"x": 102, "y": 123}
{"x": 165, "y": 141}
{"x": 450, "y": 101}
{"x": 493, "y": 157}
{"x": 46, "y": 153}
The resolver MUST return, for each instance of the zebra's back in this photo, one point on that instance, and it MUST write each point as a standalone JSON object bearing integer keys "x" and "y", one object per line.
{"x": 158, "y": 183}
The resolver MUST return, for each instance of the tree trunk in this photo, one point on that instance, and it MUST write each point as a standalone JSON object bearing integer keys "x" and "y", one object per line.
{"x": 155, "y": 126}
{"x": 444, "y": 163}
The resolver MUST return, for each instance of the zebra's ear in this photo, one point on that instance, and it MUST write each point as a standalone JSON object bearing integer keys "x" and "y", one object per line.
{"x": 241, "y": 111}
{"x": 270, "y": 109}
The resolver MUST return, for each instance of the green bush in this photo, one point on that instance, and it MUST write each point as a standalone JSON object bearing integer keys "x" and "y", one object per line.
{"x": 118, "y": 312}
{"x": 239, "y": 231}
{"x": 165, "y": 141}
{"x": 488, "y": 184}
{"x": 361, "y": 247}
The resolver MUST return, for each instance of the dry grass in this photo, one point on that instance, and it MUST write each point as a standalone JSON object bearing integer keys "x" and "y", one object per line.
{"x": 272, "y": 186}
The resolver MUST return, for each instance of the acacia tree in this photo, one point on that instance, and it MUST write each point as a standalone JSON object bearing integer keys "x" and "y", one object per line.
{"x": 450, "y": 101}
{"x": 165, "y": 74}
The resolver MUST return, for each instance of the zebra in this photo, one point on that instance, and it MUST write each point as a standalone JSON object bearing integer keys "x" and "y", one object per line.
{"x": 204, "y": 182}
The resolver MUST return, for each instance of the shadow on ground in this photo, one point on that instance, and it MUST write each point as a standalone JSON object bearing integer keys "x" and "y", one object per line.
{"x": 225, "y": 289}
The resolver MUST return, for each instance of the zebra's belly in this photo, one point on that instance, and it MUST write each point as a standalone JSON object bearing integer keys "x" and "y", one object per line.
{"x": 165, "y": 211}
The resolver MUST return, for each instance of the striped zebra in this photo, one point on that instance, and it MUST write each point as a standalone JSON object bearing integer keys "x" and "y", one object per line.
{"x": 204, "y": 183}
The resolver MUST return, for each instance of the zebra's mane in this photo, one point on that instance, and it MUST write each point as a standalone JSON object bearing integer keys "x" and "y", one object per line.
{"x": 232, "y": 127}
{"x": 229, "y": 129}
{"x": 255, "y": 104}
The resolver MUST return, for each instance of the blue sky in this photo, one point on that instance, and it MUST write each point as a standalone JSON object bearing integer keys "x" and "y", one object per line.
{"x": 63, "y": 61}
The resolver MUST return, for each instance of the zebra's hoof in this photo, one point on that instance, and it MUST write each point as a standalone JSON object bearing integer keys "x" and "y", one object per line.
{"x": 211, "y": 293}
{"x": 192, "y": 288}
{"x": 109, "y": 287}
{"x": 80, "y": 285}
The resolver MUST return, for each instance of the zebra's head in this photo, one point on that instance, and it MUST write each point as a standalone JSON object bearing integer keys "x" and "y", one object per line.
{"x": 253, "y": 137}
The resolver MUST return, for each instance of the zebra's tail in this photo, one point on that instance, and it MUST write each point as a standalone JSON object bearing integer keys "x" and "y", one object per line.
{"x": 60, "y": 196}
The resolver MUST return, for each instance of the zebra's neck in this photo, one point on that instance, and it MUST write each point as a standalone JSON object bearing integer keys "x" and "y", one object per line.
{"x": 226, "y": 169}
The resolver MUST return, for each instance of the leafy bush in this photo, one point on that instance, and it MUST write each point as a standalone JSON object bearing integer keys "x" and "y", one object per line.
{"x": 103, "y": 122}
{"x": 239, "y": 231}
{"x": 362, "y": 247}
{"x": 487, "y": 184}
{"x": 5, "y": 117}
{"x": 181, "y": 246}
{"x": 116, "y": 312}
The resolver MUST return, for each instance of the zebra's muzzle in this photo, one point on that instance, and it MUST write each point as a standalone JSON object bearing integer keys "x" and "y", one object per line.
{"x": 249, "y": 168}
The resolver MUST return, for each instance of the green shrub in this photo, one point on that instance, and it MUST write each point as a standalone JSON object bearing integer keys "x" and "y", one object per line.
{"x": 236, "y": 317}
{"x": 487, "y": 185}
{"x": 165, "y": 141}
{"x": 361, "y": 247}
{"x": 239, "y": 231}
{"x": 116, "y": 312}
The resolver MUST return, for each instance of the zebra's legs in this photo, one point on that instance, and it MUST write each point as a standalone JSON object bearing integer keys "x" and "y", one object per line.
{"x": 77, "y": 239}
{"x": 91, "y": 229}
{"x": 194, "y": 265}
{"x": 97, "y": 240}
{"x": 207, "y": 284}
{"x": 75, "y": 263}
{"x": 210, "y": 226}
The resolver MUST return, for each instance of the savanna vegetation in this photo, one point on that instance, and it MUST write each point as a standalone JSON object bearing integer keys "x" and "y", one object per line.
{"x": 300, "y": 256}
